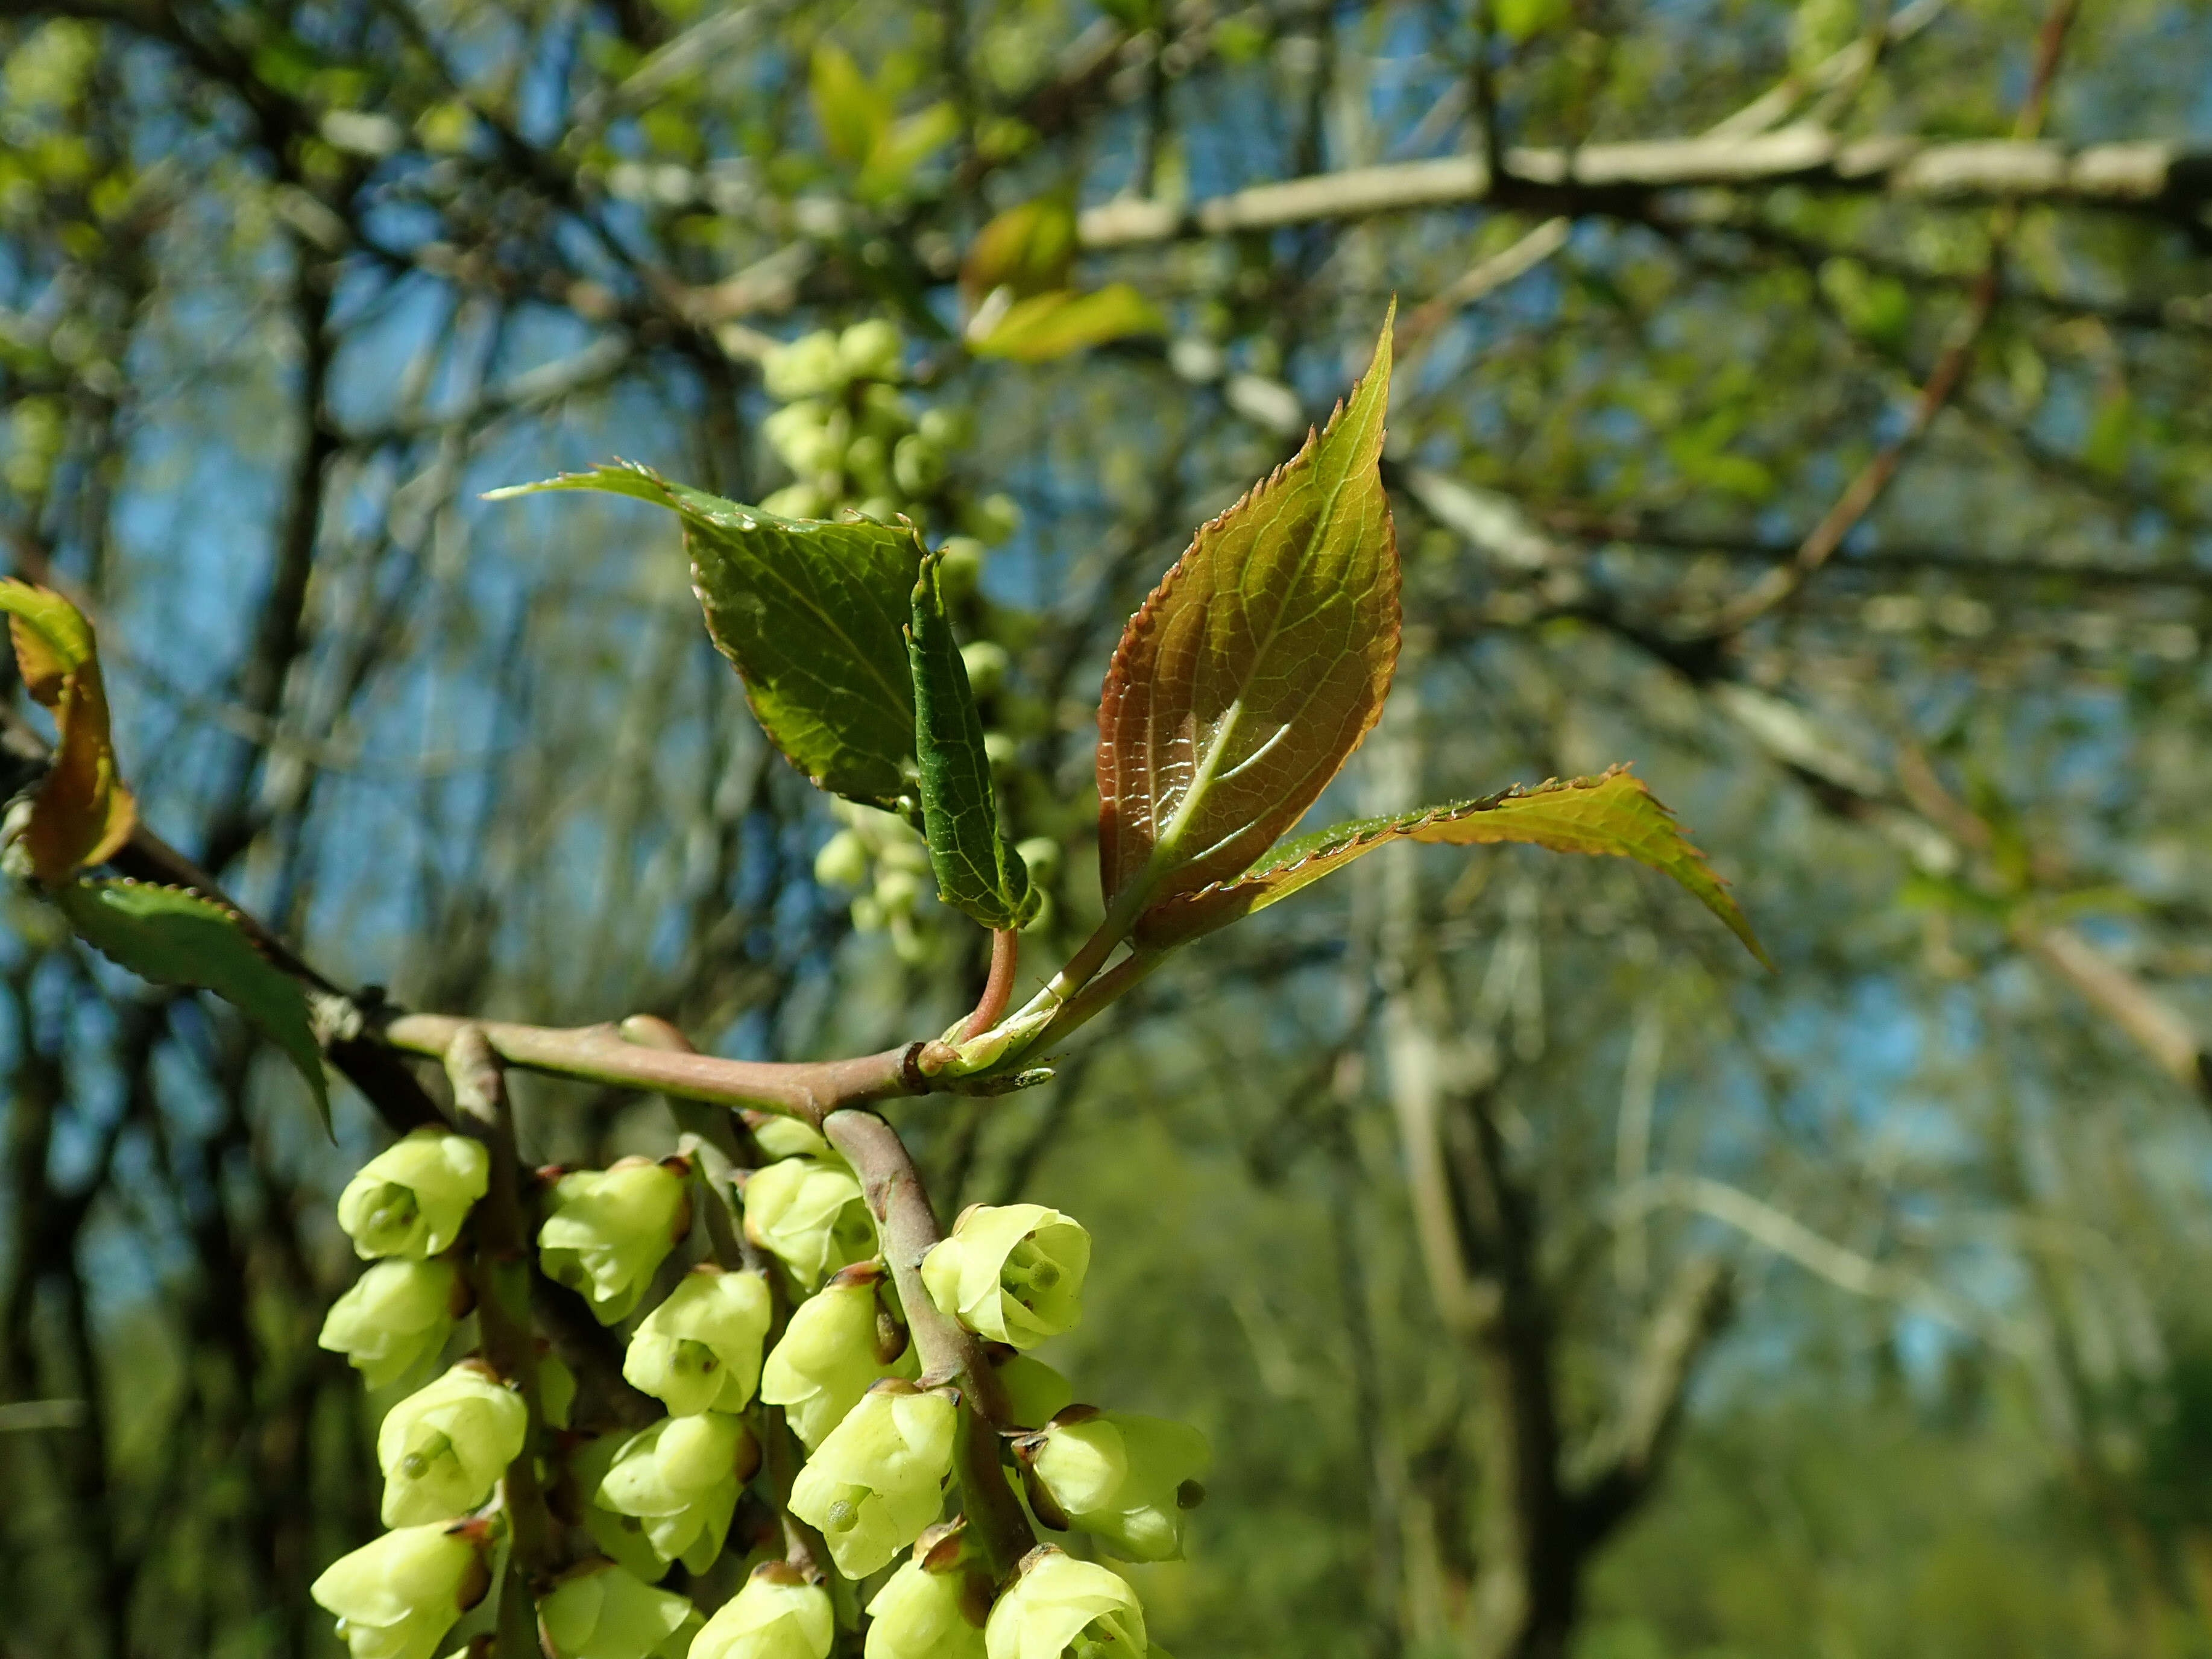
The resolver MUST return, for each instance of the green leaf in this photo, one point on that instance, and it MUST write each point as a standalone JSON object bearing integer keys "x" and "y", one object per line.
{"x": 813, "y": 615}
{"x": 851, "y": 113}
{"x": 978, "y": 872}
{"x": 1255, "y": 668}
{"x": 82, "y": 814}
{"x": 1049, "y": 325}
{"x": 1028, "y": 249}
{"x": 1612, "y": 814}
{"x": 172, "y": 937}
{"x": 905, "y": 145}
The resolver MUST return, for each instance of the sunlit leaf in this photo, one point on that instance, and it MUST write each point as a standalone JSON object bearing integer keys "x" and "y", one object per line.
{"x": 1255, "y": 668}
{"x": 1612, "y": 814}
{"x": 813, "y": 615}
{"x": 851, "y": 113}
{"x": 1027, "y": 250}
{"x": 905, "y": 145}
{"x": 176, "y": 938}
{"x": 82, "y": 814}
{"x": 978, "y": 872}
{"x": 1058, "y": 325}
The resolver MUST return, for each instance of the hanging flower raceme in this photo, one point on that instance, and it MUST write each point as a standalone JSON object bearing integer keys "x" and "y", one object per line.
{"x": 1128, "y": 1480}
{"x": 878, "y": 1478}
{"x": 810, "y": 1216}
{"x": 395, "y": 1598}
{"x": 603, "y": 1613}
{"x": 411, "y": 1198}
{"x": 1063, "y": 1608}
{"x": 680, "y": 1478}
{"x": 612, "y": 1228}
{"x": 777, "y": 1615}
{"x": 834, "y": 1351}
{"x": 701, "y": 1349}
{"x": 934, "y": 1606}
{"x": 398, "y": 1313}
{"x": 1012, "y": 1273}
{"x": 444, "y": 1447}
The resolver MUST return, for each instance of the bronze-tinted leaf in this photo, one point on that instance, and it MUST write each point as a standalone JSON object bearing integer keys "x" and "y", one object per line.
{"x": 82, "y": 813}
{"x": 1612, "y": 814}
{"x": 813, "y": 615}
{"x": 1255, "y": 668}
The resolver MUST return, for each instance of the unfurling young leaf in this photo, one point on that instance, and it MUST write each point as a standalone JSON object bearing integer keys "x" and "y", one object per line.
{"x": 1255, "y": 668}
{"x": 851, "y": 115}
{"x": 1612, "y": 814}
{"x": 1044, "y": 326}
{"x": 1026, "y": 250}
{"x": 176, "y": 937}
{"x": 979, "y": 873}
{"x": 82, "y": 813}
{"x": 813, "y": 615}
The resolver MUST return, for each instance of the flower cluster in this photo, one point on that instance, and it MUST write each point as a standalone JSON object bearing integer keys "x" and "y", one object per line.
{"x": 798, "y": 1429}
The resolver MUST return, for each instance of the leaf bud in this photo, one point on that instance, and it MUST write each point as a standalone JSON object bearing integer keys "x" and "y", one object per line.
{"x": 680, "y": 1478}
{"x": 985, "y": 663}
{"x": 1060, "y": 1605}
{"x": 444, "y": 1447}
{"x": 396, "y": 1597}
{"x": 809, "y": 366}
{"x": 701, "y": 1349}
{"x": 601, "y": 1612}
{"x": 1122, "y": 1478}
{"x": 878, "y": 1478}
{"x": 777, "y": 1615}
{"x": 917, "y": 464}
{"x": 934, "y": 1606}
{"x": 1010, "y": 1272}
{"x": 398, "y": 1313}
{"x": 411, "y": 1198}
{"x": 842, "y": 861}
{"x": 829, "y": 1357}
{"x": 869, "y": 350}
{"x": 611, "y": 1230}
{"x": 799, "y": 500}
{"x": 811, "y": 1215}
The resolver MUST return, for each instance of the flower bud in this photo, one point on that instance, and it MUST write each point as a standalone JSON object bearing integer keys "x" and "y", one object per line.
{"x": 411, "y": 1198}
{"x": 777, "y": 1615}
{"x": 807, "y": 368}
{"x": 879, "y": 508}
{"x": 925, "y": 1614}
{"x": 1041, "y": 854}
{"x": 444, "y": 1447}
{"x": 869, "y": 350}
{"x": 842, "y": 861}
{"x": 1011, "y": 1272}
{"x": 701, "y": 1349}
{"x": 1128, "y": 1479}
{"x": 398, "y": 1313}
{"x": 611, "y": 1230}
{"x": 1036, "y": 1394}
{"x": 917, "y": 464}
{"x": 993, "y": 518}
{"x": 808, "y": 436}
{"x": 948, "y": 427}
{"x": 985, "y": 663}
{"x": 869, "y": 462}
{"x": 799, "y": 500}
{"x": 680, "y": 1477}
{"x": 603, "y": 1613}
{"x": 830, "y": 1355}
{"x": 811, "y": 1215}
{"x": 878, "y": 1478}
{"x": 1060, "y": 1606}
{"x": 396, "y": 1597}
{"x": 780, "y": 1137}
{"x": 887, "y": 407}
{"x": 962, "y": 565}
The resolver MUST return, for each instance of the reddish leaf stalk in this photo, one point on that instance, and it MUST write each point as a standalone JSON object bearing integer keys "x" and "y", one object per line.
{"x": 999, "y": 988}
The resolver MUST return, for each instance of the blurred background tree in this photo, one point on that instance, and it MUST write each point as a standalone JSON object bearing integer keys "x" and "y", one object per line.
{"x": 1808, "y": 402}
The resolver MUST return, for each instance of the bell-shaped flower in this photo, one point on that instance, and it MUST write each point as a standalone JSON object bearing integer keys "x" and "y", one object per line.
{"x": 1036, "y": 1394}
{"x": 411, "y": 1198}
{"x": 830, "y": 1355}
{"x": 444, "y": 1447}
{"x": 1129, "y": 1481}
{"x": 780, "y": 1137}
{"x": 611, "y": 1230}
{"x": 934, "y": 1607}
{"x": 603, "y": 1613}
{"x": 1062, "y": 1606}
{"x": 777, "y": 1615}
{"x": 395, "y": 1598}
{"x": 620, "y": 1538}
{"x": 877, "y": 1479}
{"x": 398, "y": 1313}
{"x": 1012, "y": 1273}
{"x": 810, "y": 1216}
{"x": 701, "y": 1349}
{"x": 680, "y": 1478}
